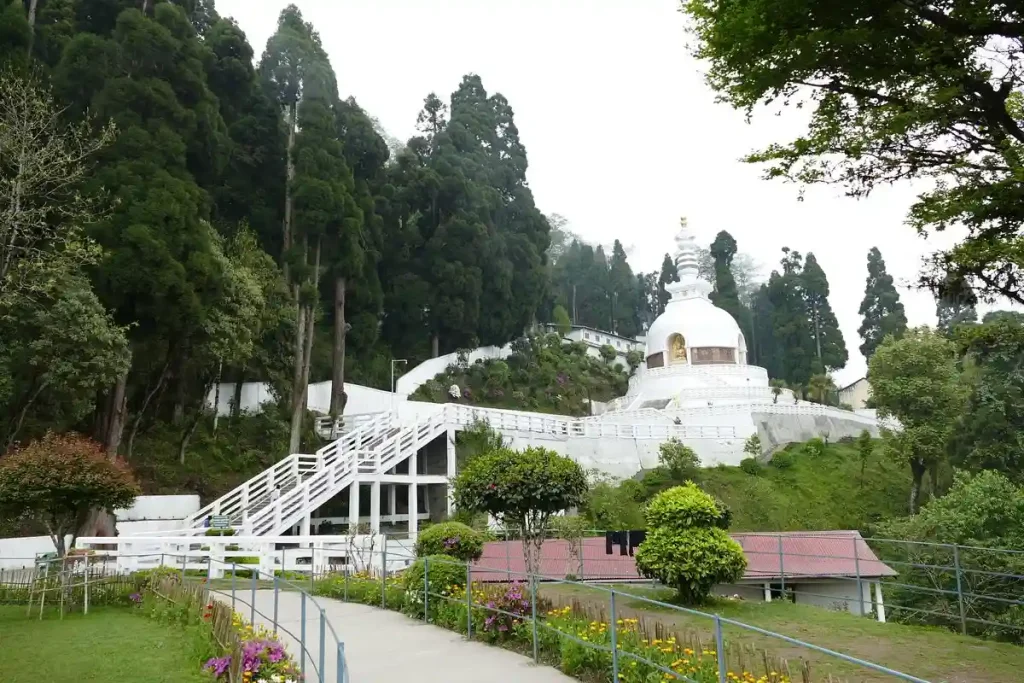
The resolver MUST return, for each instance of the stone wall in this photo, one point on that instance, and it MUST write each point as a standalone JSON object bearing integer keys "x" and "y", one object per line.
{"x": 775, "y": 430}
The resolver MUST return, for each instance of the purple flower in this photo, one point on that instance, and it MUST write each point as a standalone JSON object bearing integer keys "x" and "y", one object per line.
{"x": 218, "y": 665}
{"x": 135, "y": 597}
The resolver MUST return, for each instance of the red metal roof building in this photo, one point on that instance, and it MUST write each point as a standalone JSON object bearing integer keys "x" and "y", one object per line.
{"x": 770, "y": 556}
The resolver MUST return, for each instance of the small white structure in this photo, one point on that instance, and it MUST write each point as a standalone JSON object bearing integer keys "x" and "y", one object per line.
{"x": 821, "y": 568}
{"x": 856, "y": 395}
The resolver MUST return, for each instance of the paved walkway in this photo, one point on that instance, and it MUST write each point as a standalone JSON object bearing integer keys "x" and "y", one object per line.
{"x": 383, "y": 646}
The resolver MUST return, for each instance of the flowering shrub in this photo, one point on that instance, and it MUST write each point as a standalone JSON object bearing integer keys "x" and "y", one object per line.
{"x": 642, "y": 658}
{"x": 450, "y": 538}
{"x": 259, "y": 656}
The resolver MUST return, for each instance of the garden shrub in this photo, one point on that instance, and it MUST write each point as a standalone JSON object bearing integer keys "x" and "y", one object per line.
{"x": 686, "y": 547}
{"x": 751, "y": 466}
{"x": 453, "y": 539}
{"x": 782, "y": 460}
{"x": 814, "y": 447}
{"x": 220, "y": 532}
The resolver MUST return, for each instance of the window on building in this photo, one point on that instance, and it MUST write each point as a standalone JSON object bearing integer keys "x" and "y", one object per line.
{"x": 586, "y": 335}
{"x": 709, "y": 355}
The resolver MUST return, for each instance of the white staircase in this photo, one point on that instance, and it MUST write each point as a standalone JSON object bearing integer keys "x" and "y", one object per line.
{"x": 340, "y": 469}
{"x": 243, "y": 502}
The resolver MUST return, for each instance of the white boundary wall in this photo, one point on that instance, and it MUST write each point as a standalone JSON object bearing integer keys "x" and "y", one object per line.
{"x": 149, "y": 514}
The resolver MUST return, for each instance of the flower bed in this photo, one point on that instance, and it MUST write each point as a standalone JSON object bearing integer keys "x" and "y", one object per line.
{"x": 575, "y": 640}
{"x": 232, "y": 650}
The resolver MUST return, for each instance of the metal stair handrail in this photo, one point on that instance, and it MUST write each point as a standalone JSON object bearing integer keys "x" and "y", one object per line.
{"x": 290, "y": 470}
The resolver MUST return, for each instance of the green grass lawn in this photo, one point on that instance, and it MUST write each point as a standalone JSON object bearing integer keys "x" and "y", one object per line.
{"x": 108, "y": 645}
{"x": 930, "y": 653}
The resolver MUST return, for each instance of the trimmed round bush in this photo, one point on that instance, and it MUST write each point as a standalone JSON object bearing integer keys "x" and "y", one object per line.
{"x": 686, "y": 546}
{"x": 445, "y": 572}
{"x": 682, "y": 507}
{"x": 453, "y": 539}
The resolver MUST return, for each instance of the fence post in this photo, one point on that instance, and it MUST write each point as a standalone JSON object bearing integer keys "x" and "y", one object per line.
{"x": 782, "y": 571}
{"x": 959, "y": 589}
{"x": 252, "y": 602}
{"x": 86, "y": 599}
{"x": 312, "y": 568}
{"x": 348, "y": 570}
{"x": 234, "y": 578}
{"x": 384, "y": 573}
{"x": 184, "y": 559}
{"x": 323, "y": 640}
{"x": 469, "y": 602}
{"x": 426, "y": 588}
{"x": 302, "y": 634}
{"x": 720, "y": 649}
{"x": 860, "y": 584}
{"x": 533, "y": 610}
{"x": 209, "y": 571}
{"x": 275, "y": 603}
{"x": 342, "y": 674}
{"x": 615, "y": 637}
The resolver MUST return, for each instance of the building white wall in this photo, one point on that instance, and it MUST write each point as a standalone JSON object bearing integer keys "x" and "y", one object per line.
{"x": 256, "y": 394}
{"x": 148, "y": 508}
{"x": 857, "y": 394}
{"x": 832, "y": 593}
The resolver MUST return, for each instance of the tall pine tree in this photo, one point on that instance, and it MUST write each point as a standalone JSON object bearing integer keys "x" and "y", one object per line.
{"x": 881, "y": 308}
{"x": 726, "y": 295}
{"x": 668, "y": 274}
{"x": 829, "y": 347}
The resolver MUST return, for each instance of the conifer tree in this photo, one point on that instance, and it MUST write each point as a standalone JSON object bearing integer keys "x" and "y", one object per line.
{"x": 954, "y": 304}
{"x": 668, "y": 274}
{"x": 624, "y": 294}
{"x": 726, "y": 295}
{"x": 791, "y": 331}
{"x": 881, "y": 308}
{"x": 829, "y": 347}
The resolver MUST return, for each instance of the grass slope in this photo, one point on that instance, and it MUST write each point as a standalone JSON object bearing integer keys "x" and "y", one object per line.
{"x": 933, "y": 654}
{"x": 815, "y": 492}
{"x": 107, "y": 645}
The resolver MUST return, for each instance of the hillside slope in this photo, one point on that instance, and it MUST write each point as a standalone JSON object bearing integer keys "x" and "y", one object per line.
{"x": 814, "y": 491}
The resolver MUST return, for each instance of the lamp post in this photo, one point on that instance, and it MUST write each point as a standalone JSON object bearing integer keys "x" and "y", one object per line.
{"x": 393, "y": 362}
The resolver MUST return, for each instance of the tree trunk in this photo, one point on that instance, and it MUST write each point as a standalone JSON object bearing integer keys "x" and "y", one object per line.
{"x": 307, "y": 351}
{"x": 216, "y": 394}
{"x": 338, "y": 376}
{"x": 142, "y": 409}
{"x": 115, "y": 426}
{"x": 16, "y": 427}
{"x": 32, "y": 6}
{"x": 297, "y": 390}
{"x": 236, "y": 404}
{"x": 286, "y": 241}
{"x": 435, "y": 346}
{"x": 817, "y": 332}
{"x": 187, "y": 436}
{"x": 917, "y": 470}
{"x": 180, "y": 388}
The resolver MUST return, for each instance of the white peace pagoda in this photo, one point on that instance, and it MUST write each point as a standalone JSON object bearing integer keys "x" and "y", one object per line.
{"x": 696, "y": 354}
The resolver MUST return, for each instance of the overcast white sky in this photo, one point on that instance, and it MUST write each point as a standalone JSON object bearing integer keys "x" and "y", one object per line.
{"x": 623, "y": 135}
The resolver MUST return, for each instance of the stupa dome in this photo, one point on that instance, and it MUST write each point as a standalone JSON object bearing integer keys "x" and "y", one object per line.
{"x": 692, "y": 330}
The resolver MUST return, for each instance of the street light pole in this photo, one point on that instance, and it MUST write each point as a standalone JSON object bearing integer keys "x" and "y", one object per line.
{"x": 393, "y": 362}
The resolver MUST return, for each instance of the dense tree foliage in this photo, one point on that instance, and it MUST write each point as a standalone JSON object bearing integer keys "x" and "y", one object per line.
{"x": 896, "y": 91}
{"x": 915, "y": 380}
